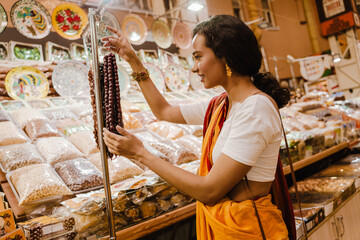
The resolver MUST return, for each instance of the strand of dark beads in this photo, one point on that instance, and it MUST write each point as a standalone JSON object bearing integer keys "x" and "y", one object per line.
{"x": 106, "y": 94}
{"x": 106, "y": 100}
{"x": 119, "y": 120}
{"x": 93, "y": 105}
{"x": 111, "y": 95}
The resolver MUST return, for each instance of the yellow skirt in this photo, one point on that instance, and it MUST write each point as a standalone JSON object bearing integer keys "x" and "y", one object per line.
{"x": 237, "y": 220}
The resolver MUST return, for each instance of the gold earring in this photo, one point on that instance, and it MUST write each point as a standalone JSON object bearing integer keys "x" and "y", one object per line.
{"x": 228, "y": 70}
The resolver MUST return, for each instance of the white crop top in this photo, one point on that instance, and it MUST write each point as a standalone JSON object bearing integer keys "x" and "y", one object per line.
{"x": 251, "y": 134}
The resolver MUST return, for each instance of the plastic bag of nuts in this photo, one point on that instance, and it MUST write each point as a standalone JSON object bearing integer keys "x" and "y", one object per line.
{"x": 10, "y": 134}
{"x": 79, "y": 174}
{"x": 59, "y": 114}
{"x": 20, "y": 155}
{"x": 166, "y": 130}
{"x": 85, "y": 142}
{"x": 37, "y": 182}
{"x": 190, "y": 142}
{"x": 24, "y": 115}
{"x": 4, "y": 117}
{"x": 120, "y": 168}
{"x": 40, "y": 128}
{"x": 57, "y": 149}
{"x": 176, "y": 153}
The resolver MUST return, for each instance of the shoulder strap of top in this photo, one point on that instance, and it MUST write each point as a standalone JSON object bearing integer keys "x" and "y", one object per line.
{"x": 289, "y": 158}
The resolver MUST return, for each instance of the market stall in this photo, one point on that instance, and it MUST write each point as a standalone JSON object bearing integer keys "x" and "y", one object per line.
{"x": 57, "y": 176}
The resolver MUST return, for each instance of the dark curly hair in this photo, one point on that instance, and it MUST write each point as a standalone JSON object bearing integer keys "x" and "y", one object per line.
{"x": 232, "y": 39}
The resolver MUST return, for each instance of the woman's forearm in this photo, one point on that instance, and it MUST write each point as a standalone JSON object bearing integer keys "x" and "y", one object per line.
{"x": 187, "y": 182}
{"x": 152, "y": 95}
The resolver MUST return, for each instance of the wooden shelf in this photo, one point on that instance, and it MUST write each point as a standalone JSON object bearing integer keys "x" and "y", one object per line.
{"x": 160, "y": 222}
{"x": 354, "y": 142}
{"x": 307, "y": 161}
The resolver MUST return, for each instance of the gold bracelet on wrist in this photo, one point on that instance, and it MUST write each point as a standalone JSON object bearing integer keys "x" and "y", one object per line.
{"x": 140, "y": 76}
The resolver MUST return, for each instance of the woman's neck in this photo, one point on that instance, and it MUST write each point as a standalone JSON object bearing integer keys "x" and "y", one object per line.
{"x": 239, "y": 88}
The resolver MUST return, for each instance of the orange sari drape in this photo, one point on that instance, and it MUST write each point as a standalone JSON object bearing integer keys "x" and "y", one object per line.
{"x": 228, "y": 219}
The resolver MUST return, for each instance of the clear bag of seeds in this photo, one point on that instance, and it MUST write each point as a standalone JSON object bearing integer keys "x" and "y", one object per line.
{"x": 24, "y": 115}
{"x": 59, "y": 114}
{"x": 3, "y": 116}
{"x": 10, "y": 134}
{"x": 40, "y": 128}
{"x": 37, "y": 182}
{"x": 79, "y": 174}
{"x": 166, "y": 130}
{"x": 190, "y": 142}
{"x": 85, "y": 142}
{"x": 176, "y": 153}
{"x": 120, "y": 168}
{"x": 57, "y": 149}
{"x": 20, "y": 155}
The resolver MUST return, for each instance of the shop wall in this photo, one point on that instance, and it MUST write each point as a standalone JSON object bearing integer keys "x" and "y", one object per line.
{"x": 291, "y": 38}
{"x": 216, "y": 7}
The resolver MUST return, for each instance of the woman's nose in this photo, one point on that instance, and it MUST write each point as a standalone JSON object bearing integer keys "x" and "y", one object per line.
{"x": 195, "y": 68}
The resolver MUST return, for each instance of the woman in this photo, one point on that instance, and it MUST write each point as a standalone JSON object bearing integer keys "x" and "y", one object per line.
{"x": 242, "y": 132}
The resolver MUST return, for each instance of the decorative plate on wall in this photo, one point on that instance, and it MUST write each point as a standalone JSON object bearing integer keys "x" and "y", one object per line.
{"x": 161, "y": 34}
{"x": 156, "y": 76}
{"x": 31, "y": 19}
{"x": 69, "y": 20}
{"x": 134, "y": 28}
{"x": 25, "y": 51}
{"x": 70, "y": 79}
{"x": 26, "y": 83}
{"x": 176, "y": 78}
{"x": 107, "y": 19}
{"x": 195, "y": 81}
{"x": 4, "y": 51}
{"x": 77, "y": 52}
{"x": 56, "y": 52}
{"x": 182, "y": 35}
{"x": 124, "y": 79}
{"x": 3, "y": 19}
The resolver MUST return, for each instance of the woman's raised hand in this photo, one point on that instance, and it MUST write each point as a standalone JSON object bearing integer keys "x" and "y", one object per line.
{"x": 120, "y": 45}
{"x": 125, "y": 144}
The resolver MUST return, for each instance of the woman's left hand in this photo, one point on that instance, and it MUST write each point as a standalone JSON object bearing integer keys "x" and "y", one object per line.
{"x": 126, "y": 144}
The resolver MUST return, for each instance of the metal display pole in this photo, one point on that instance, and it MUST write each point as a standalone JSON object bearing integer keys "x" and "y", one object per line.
{"x": 99, "y": 111}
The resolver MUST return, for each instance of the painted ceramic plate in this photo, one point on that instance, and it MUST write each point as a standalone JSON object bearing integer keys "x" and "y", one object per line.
{"x": 26, "y": 83}
{"x": 182, "y": 35}
{"x": 124, "y": 80}
{"x": 3, "y": 19}
{"x": 176, "y": 78}
{"x": 195, "y": 81}
{"x": 70, "y": 79}
{"x": 107, "y": 19}
{"x": 3, "y": 51}
{"x": 134, "y": 28}
{"x": 31, "y": 19}
{"x": 161, "y": 34}
{"x": 156, "y": 76}
{"x": 69, "y": 20}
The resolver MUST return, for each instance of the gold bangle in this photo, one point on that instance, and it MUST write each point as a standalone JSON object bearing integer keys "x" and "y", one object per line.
{"x": 140, "y": 76}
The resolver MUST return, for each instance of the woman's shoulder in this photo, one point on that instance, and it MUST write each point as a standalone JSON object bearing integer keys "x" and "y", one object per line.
{"x": 258, "y": 106}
